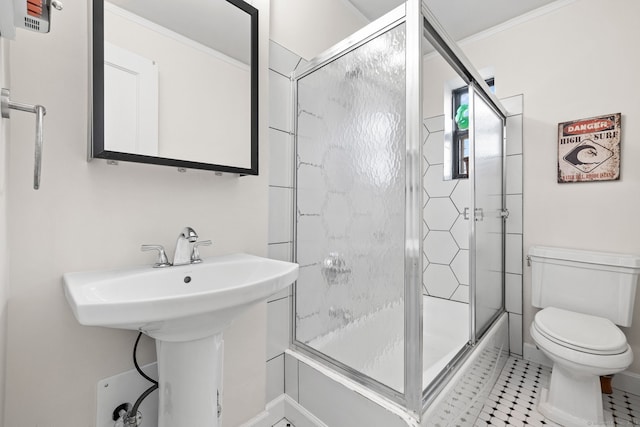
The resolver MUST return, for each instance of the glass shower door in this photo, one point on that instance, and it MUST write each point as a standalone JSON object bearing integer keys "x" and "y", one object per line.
{"x": 350, "y": 209}
{"x": 487, "y": 230}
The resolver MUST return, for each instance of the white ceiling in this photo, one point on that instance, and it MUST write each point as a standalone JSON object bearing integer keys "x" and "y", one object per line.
{"x": 460, "y": 18}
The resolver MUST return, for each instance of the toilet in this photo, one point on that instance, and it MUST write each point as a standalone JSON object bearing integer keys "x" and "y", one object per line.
{"x": 583, "y": 296}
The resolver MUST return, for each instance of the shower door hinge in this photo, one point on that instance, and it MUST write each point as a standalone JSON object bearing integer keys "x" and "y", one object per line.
{"x": 504, "y": 213}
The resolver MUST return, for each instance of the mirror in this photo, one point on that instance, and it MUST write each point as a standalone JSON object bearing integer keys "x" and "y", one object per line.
{"x": 176, "y": 83}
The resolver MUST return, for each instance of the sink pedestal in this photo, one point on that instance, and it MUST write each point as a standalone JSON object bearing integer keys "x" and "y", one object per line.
{"x": 190, "y": 375}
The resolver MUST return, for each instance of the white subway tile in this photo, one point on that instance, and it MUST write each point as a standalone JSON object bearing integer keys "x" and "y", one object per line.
{"x": 291, "y": 376}
{"x": 277, "y": 327}
{"x": 513, "y": 253}
{"x": 515, "y": 333}
{"x": 280, "y": 214}
{"x": 280, "y": 158}
{"x": 514, "y": 206}
{"x": 513, "y": 104}
{"x": 275, "y": 377}
{"x": 279, "y": 251}
{"x": 514, "y": 174}
{"x": 281, "y": 59}
{"x": 279, "y": 102}
{"x": 513, "y": 293}
{"x": 514, "y": 135}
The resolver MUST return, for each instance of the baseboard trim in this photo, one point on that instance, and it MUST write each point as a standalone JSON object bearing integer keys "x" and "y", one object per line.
{"x": 625, "y": 380}
{"x": 281, "y": 407}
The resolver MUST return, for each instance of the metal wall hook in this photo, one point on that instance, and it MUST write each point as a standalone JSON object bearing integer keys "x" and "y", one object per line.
{"x": 6, "y": 105}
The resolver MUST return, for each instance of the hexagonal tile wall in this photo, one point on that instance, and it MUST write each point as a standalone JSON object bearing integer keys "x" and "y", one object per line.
{"x": 440, "y": 213}
{"x": 440, "y": 281}
{"x": 440, "y": 247}
{"x": 446, "y": 233}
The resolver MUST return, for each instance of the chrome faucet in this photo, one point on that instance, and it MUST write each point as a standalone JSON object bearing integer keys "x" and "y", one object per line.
{"x": 186, "y": 238}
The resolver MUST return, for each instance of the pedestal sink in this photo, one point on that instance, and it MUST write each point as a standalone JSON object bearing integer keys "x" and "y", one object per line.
{"x": 185, "y": 308}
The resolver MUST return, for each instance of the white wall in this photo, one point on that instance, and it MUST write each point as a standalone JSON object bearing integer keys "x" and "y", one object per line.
{"x": 4, "y": 284}
{"x": 309, "y": 27}
{"x": 574, "y": 62}
{"x": 95, "y": 216}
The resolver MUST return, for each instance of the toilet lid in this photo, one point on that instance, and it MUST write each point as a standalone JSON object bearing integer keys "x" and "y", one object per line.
{"x": 582, "y": 332}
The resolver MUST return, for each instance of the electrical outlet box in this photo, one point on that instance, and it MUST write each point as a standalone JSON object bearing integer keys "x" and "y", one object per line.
{"x": 126, "y": 388}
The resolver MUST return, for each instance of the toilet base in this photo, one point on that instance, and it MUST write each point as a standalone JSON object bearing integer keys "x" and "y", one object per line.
{"x": 565, "y": 419}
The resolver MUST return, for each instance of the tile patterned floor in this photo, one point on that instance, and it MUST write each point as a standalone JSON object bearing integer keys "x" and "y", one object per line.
{"x": 283, "y": 423}
{"x": 512, "y": 401}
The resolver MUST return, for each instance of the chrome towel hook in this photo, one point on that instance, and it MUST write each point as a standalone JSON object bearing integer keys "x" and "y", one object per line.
{"x": 7, "y": 105}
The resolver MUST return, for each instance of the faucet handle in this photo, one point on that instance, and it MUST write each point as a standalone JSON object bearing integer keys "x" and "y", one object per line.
{"x": 163, "y": 261}
{"x": 195, "y": 254}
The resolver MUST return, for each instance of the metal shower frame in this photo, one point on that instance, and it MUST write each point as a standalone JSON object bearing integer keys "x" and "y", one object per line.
{"x": 420, "y": 22}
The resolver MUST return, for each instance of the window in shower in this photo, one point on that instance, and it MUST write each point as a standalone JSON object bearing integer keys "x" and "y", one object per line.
{"x": 460, "y": 137}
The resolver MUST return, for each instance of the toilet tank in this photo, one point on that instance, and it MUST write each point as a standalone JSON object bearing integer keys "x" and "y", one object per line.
{"x": 598, "y": 283}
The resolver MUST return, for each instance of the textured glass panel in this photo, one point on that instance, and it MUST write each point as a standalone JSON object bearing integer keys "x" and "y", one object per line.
{"x": 351, "y": 208}
{"x": 488, "y": 127}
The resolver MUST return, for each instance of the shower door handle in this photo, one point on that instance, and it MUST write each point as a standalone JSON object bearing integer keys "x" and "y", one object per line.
{"x": 478, "y": 215}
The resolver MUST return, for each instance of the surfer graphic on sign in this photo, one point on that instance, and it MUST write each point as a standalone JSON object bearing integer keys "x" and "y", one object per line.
{"x": 588, "y": 155}
{"x": 589, "y": 149}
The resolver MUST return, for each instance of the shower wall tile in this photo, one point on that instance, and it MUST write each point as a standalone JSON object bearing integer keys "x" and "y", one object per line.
{"x": 461, "y": 195}
{"x": 279, "y": 101}
{"x": 434, "y": 148}
{"x": 434, "y": 124}
{"x": 513, "y": 104}
{"x": 440, "y": 213}
{"x": 440, "y": 281}
{"x": 275, "y": 377}
{"x": 461, "y": 294}
{"x": 280, "y": 251}
{"x": 440, "y": 247}
{"x": 460, "y": 267}
{"x": 513, "y": 254}
{"x": 280, "y": 158}
{"x": 285, "y": 293}
{"x": 291, "y": 376}
{"x": 277, "y": 327}
{"x": 460, "y": 232}
{"x": 281, "y": 172}
{"x": 514, "y": 225}
{"x": 435, "y": 184}
{"x": 513, "y": 293}
{"x": 514, "y": 135}
{"x": 514, "y": 206}
{"x": 280, "y": 217}
{"x": 446, "y": 234}
{"x": 515, "y": 334}
{"x": 514, "y": 174}
{"x": 281, "y": 59}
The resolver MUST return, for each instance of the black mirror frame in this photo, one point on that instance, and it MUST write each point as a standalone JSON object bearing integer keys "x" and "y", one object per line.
{"x": 96, "y": 79}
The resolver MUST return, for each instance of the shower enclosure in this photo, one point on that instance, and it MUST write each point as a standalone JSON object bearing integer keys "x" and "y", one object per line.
{"x": 401, "y": 268}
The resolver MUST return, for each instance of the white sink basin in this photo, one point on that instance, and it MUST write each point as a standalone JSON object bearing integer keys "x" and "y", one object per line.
{"x": 176, "y": 303}
{"x": 185, "y": 308}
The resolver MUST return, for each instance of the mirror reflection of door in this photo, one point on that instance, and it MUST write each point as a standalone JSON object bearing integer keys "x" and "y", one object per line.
{"x": 130, "y": 101}
{"x": 199, "y": 51}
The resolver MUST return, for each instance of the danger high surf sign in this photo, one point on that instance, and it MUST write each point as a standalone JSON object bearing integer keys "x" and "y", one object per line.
{"x": 589, "y": 149}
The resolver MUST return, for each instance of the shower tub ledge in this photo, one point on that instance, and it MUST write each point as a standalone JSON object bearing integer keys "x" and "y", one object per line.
{"x": 319, "y": 397}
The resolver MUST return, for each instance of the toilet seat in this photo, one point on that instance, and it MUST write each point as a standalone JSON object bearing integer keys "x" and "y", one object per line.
{"x": 580, "y": 332}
